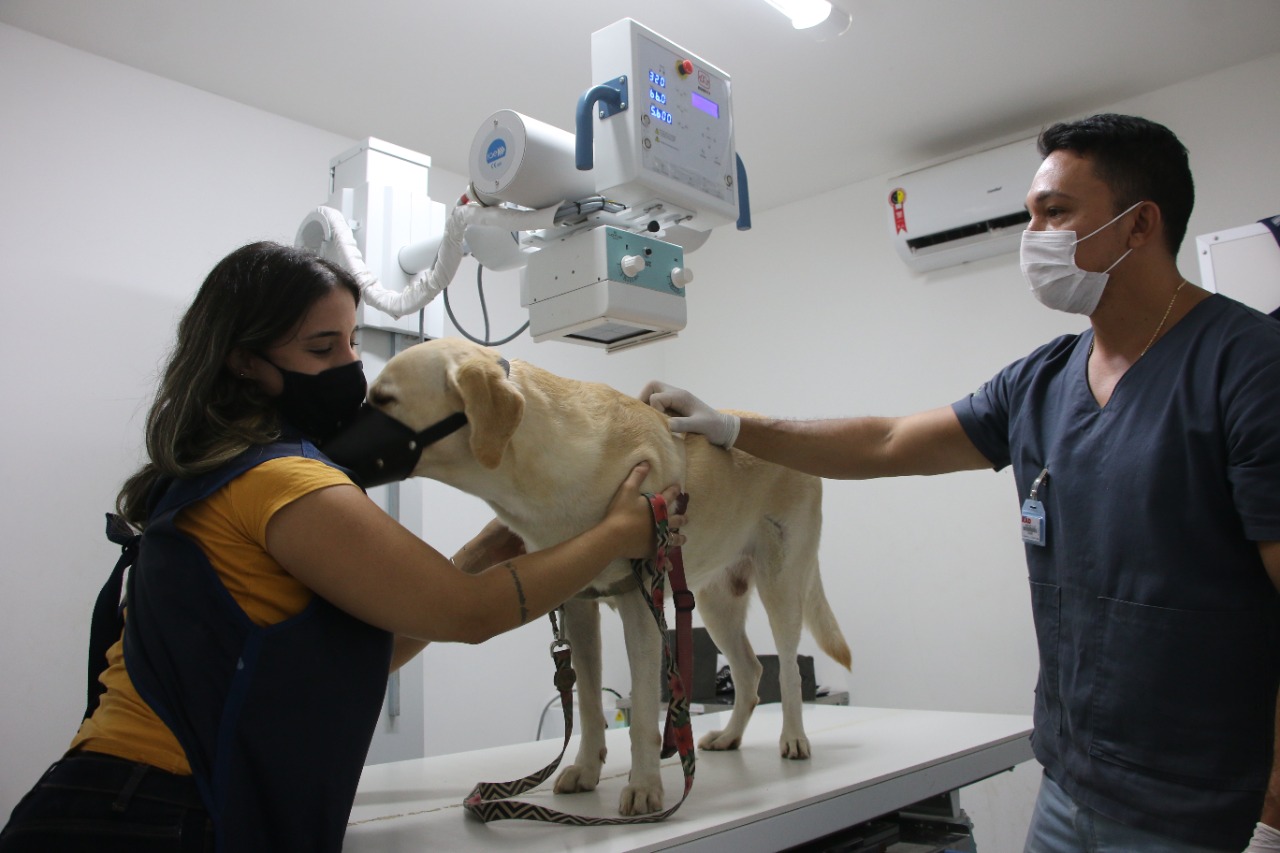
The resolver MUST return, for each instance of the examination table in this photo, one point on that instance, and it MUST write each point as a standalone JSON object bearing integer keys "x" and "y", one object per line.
{"x": 867, "y": 762}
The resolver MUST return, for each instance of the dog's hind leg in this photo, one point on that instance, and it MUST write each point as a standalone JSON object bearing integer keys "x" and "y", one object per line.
{"x": 643, "y": 792}
{"x": 582, "y": 627}
{"x": 783, "y": 582}
{"x": 723, "y": 605}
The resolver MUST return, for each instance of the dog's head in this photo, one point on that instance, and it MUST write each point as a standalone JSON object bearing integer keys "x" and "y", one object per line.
{"x": 431, "y": 381}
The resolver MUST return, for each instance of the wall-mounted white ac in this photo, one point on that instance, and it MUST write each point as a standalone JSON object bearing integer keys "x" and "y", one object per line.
{"x": 964, "y": 209}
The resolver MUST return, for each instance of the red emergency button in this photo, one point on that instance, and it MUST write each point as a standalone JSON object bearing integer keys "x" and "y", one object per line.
{"x": 684, "y": 67}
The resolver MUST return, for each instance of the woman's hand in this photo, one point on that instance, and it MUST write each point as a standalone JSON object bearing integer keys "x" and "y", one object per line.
{"x": 631, "y": 517}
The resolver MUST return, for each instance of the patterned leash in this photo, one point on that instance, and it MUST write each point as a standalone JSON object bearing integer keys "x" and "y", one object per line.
{"x": 490, "y": 801}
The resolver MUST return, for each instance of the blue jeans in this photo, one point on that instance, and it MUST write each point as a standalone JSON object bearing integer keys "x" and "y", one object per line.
{"x": 94, "y": 802}
{"x": 1061, "y": 825}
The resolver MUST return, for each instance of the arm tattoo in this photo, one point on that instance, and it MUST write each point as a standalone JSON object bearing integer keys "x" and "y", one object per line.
{"x": 524, "y": 610}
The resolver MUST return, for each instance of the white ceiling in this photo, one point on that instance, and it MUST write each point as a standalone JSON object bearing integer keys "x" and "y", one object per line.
{"x": 911, "y": 81}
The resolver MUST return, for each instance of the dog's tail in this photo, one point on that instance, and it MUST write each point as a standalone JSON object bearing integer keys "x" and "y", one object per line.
{"x": 821, "y": 622}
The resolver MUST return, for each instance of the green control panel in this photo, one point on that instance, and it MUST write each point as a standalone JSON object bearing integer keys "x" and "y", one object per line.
{"x": 641, "y": 260}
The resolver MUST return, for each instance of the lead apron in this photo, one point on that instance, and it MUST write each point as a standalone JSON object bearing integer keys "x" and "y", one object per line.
{"x": 275, "y": 721}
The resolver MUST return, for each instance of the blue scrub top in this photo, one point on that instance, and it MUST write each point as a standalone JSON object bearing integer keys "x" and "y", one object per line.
{"x": 1159, "y": 629}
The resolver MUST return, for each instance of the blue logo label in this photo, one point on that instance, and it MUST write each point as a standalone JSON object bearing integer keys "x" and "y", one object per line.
{"x": 497, "y": 150}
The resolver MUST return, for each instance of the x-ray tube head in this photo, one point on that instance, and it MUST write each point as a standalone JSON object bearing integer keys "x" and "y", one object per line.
{"x": 523, "y": 161}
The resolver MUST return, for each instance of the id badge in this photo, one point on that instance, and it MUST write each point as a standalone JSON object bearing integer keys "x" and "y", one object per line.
{"x": 1033, "y": 523}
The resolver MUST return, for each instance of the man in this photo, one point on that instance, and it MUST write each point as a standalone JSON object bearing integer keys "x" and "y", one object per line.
{"x": 1146, "y": 453}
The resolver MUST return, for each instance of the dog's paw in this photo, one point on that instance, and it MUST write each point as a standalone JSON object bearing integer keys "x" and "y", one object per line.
{"x": 794, "y": 747}
{"x": 575, "y": 778}
{"x": 720, "y": 741}
{"x": 640, "y": 799}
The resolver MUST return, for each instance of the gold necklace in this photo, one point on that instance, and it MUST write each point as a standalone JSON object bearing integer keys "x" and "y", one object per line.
{"x": 1156, "y": 333}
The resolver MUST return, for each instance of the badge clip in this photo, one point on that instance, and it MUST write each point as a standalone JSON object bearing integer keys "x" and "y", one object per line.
{"x": 1034, "y": 524}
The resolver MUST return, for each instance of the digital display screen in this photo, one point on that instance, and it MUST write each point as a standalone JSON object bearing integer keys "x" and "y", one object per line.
{"x": 658, "y": 82}
{"x": 707, "y": 105}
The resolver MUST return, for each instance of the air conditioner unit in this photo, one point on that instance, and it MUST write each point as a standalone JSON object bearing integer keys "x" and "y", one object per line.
{"x": 964, "y": 209}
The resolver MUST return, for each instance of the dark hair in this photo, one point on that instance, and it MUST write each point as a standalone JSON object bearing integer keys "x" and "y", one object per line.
{"x": 204, "y": 416}
{"x": 1138, "y": 159}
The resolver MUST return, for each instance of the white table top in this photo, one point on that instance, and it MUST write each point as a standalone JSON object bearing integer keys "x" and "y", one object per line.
{"x": 866, "y": 762}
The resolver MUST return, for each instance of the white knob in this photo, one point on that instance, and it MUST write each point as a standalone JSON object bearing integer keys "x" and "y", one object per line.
{"x": 680, "y": 276}
{"x": 632, "y": 265}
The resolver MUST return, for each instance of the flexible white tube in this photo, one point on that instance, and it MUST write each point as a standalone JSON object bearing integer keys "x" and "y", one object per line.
{"x": 340, "y": 247}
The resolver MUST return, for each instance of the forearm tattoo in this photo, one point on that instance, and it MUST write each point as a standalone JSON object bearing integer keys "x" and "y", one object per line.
{"x": 524, "y": 610}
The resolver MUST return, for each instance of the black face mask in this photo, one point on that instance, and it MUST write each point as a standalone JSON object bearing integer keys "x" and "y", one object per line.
{"x": 318, "y": 404}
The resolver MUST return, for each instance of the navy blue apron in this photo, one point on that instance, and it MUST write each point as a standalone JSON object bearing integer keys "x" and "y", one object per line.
{"x": 275, "y": 721}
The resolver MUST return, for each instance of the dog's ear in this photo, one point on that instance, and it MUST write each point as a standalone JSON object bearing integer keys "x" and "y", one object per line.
{"x": 494, "y": 407}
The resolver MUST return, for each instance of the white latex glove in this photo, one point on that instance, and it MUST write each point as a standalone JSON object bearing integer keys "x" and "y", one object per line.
{"x": 1265, "y": 839}
{"x": 689, "y": 414}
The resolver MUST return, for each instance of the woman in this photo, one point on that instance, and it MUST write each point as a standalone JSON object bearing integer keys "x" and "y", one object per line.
{"x": 268, "y": 596}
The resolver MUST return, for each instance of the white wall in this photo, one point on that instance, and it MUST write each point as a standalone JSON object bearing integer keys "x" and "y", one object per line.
{"x": 122, "y": 190}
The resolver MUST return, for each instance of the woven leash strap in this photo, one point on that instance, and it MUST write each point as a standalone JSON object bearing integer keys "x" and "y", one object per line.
{"x": 490, "y": 801}
{"x": 683, "y": 600}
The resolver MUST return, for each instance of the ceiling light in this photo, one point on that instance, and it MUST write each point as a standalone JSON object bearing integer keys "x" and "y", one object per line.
{"x": 818, "y": 17}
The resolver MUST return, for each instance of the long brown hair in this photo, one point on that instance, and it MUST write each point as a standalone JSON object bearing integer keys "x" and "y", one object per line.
{"x": 203, "y": 415}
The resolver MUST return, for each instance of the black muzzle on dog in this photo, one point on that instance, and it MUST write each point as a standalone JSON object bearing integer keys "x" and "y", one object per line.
{"x": 377, "y": 449}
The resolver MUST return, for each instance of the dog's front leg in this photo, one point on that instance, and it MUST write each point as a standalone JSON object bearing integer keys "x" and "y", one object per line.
{"x": 582, "y": 627}
{"x": 643, "y": 793}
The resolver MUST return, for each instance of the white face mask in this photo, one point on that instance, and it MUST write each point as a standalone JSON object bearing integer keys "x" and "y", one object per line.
{"x": 1048, "y": 260}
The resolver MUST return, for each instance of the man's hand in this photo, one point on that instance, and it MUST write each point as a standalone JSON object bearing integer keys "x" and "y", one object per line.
{"x": 689, "y": 414}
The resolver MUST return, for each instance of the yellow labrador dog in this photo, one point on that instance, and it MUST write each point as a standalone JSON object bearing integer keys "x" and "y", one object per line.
{"x": 547, "y": 453}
